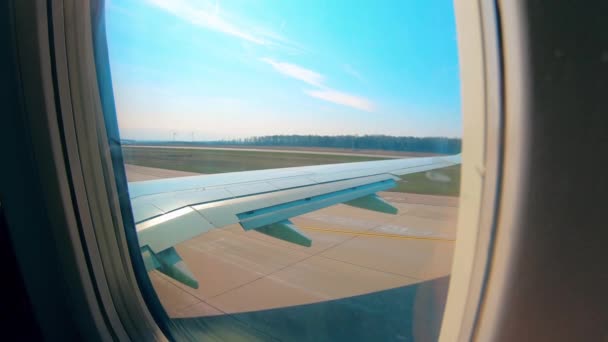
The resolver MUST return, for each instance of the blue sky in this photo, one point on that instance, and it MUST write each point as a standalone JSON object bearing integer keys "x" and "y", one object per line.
{"x": 256, "y": 67}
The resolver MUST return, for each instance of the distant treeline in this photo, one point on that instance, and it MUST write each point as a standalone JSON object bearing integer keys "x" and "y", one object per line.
{"x": 439, "y": 145}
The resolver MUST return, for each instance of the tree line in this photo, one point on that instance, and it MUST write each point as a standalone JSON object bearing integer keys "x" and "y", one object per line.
{"x": 440, "y": 145}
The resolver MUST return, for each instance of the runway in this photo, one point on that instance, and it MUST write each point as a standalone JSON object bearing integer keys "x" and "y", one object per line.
{"x": 354, "y": 252}
{"x": 326, "y": 151}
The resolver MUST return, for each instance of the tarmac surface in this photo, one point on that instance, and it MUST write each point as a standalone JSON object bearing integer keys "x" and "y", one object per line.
{"x": 355, "y": 252}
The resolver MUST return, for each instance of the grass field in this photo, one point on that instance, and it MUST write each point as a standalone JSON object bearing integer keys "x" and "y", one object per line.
{"x": 219, "y": 161}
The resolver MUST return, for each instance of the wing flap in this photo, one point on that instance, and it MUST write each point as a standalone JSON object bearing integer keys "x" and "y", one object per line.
{"x": 171, "y": 201}
{"x": 226, "y": 212}
{"x": 144, "y": 210}
{"x": 172, "y": 228}
{"x": 265, "y": 216}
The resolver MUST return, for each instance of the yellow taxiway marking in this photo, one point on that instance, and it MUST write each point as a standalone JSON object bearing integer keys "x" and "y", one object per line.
{"x": 384, "y": 235}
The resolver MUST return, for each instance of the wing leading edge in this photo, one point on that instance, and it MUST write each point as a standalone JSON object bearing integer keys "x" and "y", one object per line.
{"x": 170, "y": 211}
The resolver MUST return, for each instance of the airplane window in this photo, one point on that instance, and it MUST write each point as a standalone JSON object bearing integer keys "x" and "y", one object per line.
{"x": 293, "y": 167}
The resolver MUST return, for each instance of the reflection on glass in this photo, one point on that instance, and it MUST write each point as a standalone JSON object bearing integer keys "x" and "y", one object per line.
{"x": 293, "y": 166}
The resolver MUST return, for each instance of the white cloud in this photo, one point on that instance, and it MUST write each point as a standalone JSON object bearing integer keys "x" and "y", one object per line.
{"x": 207, "y": 15}
{"x": 342, "y": 98}
{"x": 295, "y": 71}
{"x": 209, "y": 18}
{"x": 316, "y": 79}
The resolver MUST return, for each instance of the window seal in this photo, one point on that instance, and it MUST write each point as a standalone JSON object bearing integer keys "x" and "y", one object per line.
{"x": 76, "y": 27}
{"x": 479, "y": 40}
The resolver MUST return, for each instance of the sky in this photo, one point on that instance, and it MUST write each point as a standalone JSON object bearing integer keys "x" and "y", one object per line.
{"x": 208, "y": 70}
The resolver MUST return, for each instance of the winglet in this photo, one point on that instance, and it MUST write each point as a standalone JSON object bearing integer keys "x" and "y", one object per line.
{"x": 169, "y": 263}
{"x": 373, "y": 202}
{"x": 286, "y": 231}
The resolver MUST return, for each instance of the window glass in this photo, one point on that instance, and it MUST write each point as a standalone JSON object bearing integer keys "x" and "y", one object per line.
{"x": 293, "y": 166}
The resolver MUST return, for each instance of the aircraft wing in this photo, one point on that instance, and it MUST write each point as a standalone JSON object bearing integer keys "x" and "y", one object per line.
{"x": 170, "y": 211}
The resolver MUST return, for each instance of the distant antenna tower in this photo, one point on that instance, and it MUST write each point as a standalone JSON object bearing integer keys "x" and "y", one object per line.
{"x": 193, "y": 136}
{"x": 174, "y": 134}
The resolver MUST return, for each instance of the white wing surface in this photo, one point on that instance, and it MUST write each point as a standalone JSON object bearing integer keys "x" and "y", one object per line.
{"x": 170, "y": 211}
